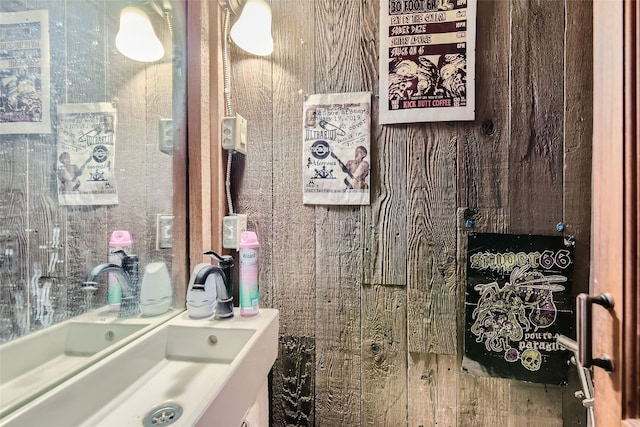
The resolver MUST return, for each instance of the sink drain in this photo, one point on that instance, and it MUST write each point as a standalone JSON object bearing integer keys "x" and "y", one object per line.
{"x": 163, "y": 415}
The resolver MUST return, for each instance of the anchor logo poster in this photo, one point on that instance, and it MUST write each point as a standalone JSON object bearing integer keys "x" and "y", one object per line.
{"x": 518, "y": 299}
{"x": 335, "y": 148}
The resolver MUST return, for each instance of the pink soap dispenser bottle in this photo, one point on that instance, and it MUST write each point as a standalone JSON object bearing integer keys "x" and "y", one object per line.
{"x": 248, "y": 275}
{"x": 120, "y": 240}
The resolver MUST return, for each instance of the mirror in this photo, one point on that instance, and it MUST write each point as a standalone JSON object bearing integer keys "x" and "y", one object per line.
{"x": 91, "y": 142}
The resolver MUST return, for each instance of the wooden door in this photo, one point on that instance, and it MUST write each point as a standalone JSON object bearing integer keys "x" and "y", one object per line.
{"x": 616, "y": 197}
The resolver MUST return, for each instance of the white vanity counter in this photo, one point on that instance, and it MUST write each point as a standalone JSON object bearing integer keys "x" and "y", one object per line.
{"x": 210, "y": 371}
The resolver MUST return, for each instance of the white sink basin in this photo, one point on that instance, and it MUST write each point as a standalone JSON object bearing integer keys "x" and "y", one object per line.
{"x": 212, "y": 369}
{"x": 35, "y": 363}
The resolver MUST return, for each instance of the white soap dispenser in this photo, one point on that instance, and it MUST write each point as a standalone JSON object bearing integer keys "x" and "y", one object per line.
{"x": 156, "y": 293}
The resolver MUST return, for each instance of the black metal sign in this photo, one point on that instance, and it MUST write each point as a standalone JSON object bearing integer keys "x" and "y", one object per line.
{"x": 518, "y": 299}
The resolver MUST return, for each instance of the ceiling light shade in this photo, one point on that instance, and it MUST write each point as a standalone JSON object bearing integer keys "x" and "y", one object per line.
{"x": 252, "y": 30}
{"x": 136, "y": 38}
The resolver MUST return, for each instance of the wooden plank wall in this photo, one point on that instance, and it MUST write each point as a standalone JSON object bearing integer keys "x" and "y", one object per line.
{"x": 371, "y": 298}
{"x": 85, "y": 67}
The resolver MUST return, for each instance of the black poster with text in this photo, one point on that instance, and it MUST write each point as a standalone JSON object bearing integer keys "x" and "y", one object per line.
{"x": 518, "y": 299}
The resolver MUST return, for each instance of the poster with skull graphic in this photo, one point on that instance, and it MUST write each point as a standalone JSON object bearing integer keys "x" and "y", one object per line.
{"x": 518, "y": 300}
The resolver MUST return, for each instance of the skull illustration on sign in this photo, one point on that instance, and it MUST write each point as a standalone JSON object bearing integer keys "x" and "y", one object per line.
{"x": 531, "y": 359}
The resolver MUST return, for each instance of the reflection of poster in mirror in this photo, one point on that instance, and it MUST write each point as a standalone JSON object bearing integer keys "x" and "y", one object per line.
{"x": 86, "y": 143}
{"x": 427, "y": 60}
{"x": 518, "y": 299}
{"x": 335, "y": 148}
{"x": 24, "y": 72}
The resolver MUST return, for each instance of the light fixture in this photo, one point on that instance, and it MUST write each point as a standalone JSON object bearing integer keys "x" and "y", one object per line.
{"x": 136, "y": 38}
{"x": 252, "y": 30}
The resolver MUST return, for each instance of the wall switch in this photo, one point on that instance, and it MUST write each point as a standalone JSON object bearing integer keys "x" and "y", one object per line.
{"x": 165, "y": 136}
{"x": 164, "y": 237}
{"x": 233, "y": 133}
{"x": 232, "y": 228}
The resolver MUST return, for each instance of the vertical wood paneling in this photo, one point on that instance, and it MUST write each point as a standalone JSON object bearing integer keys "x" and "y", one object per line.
{"x": 43, "y": 217}
{"x": 293, "y": 70}
{"x": 385, "y": 239}
{"x": 339, "y": 234}
{"x": 535, "y": 405}
{"x": 384, "y": 356}
{"x": 132, "y": 143}
{"x": 338, "y": 324}
{"x": 294, "y": 383}
{"x": 431, "y": 219}
{"x": 433, "y": 384}
{"x": 384, "y": 308}
{"x": 86, "y": 227}
{"x": 537, "y": 105}
{"x": 409, "y": 245}
{"x": 578, "y": 125}
{"x": 252, "y": 98}
{"x": 483, "y": 401}
{"x": 483, "y": 146}
{"x": 158, "y": 169}
{"x": 293, "y": 284}
{"x": 15, "y": 292}
{"x": 536, "y": 146}
{"x": 385, "y": 247}
{"x": 483, "y": 178}
{"x": 488, "y": 411}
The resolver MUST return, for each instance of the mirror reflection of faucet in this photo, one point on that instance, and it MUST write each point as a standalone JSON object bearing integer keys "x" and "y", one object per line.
{"x": 129, "y": 305}
{"x": 210, "y": 288}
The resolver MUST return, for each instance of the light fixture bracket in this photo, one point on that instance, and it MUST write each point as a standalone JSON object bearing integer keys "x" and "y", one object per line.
{"x": 234, "y": 6}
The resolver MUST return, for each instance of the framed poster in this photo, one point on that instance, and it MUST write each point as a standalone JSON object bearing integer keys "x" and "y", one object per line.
{"x": 336, "y": 134}
{"x": 24, "y": 72}
{"x": 518, "y": 299}
{"x": 86, "y": 142}
{"x": 427, "y": 60}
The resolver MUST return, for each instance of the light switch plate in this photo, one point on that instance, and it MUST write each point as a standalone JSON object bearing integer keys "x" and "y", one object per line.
{"x": 165, "y": 136}
{"x": 164, "y": 236}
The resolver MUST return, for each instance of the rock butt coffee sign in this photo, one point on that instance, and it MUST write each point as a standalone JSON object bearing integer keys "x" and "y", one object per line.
{"x": 518, "y": 299}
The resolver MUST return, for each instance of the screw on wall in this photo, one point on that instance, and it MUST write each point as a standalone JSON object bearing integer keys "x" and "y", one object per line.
{"x": 470, "y": 216}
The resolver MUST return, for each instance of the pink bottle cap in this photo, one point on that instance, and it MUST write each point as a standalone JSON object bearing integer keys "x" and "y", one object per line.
{"x": 248, "y": 239}
{"x": 120, "y": 238}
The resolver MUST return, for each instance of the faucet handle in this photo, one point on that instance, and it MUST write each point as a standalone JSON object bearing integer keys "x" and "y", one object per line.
{"x": 223, "y": 260}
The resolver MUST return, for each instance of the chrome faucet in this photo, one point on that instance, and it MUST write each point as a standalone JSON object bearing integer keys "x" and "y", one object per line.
{"x": 224, "y": 291}
{"x": 129, "y": 303}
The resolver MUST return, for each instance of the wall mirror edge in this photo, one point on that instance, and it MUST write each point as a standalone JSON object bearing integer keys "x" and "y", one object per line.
{"x": 193, "y": 158}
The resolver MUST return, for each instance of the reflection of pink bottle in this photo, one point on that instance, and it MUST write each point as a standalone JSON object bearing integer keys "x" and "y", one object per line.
{"x": 249, "y": 295}
{"x": 120, "y": 240}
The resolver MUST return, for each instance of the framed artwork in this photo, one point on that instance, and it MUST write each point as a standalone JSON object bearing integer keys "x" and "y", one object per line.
{"x": 336, "y": 134}
{"x": 517, "y": 301}
{"x": 24, "y": 72}
{"x": 427, "y": 60}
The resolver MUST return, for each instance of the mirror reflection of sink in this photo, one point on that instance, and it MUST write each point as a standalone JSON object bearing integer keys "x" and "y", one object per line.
{"x": 37, "y": 362}
{"x": 211, "y": 369}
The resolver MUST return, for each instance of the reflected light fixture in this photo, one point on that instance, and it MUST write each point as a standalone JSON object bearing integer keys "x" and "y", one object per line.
{"x": 136, "y": 38}
{"x": 252, "y": 30}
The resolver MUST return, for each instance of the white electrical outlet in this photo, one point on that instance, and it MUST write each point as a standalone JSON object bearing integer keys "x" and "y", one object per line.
{"x": 164, "y": 232}
{"x": 233, "y": 133}
{"x": 165, "y": 136}
{"x": 232, "y": 228}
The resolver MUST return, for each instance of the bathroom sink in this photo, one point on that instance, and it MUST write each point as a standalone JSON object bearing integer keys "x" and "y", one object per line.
{"x": 37, "y": 362}
{"x": 208, "y": 372}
